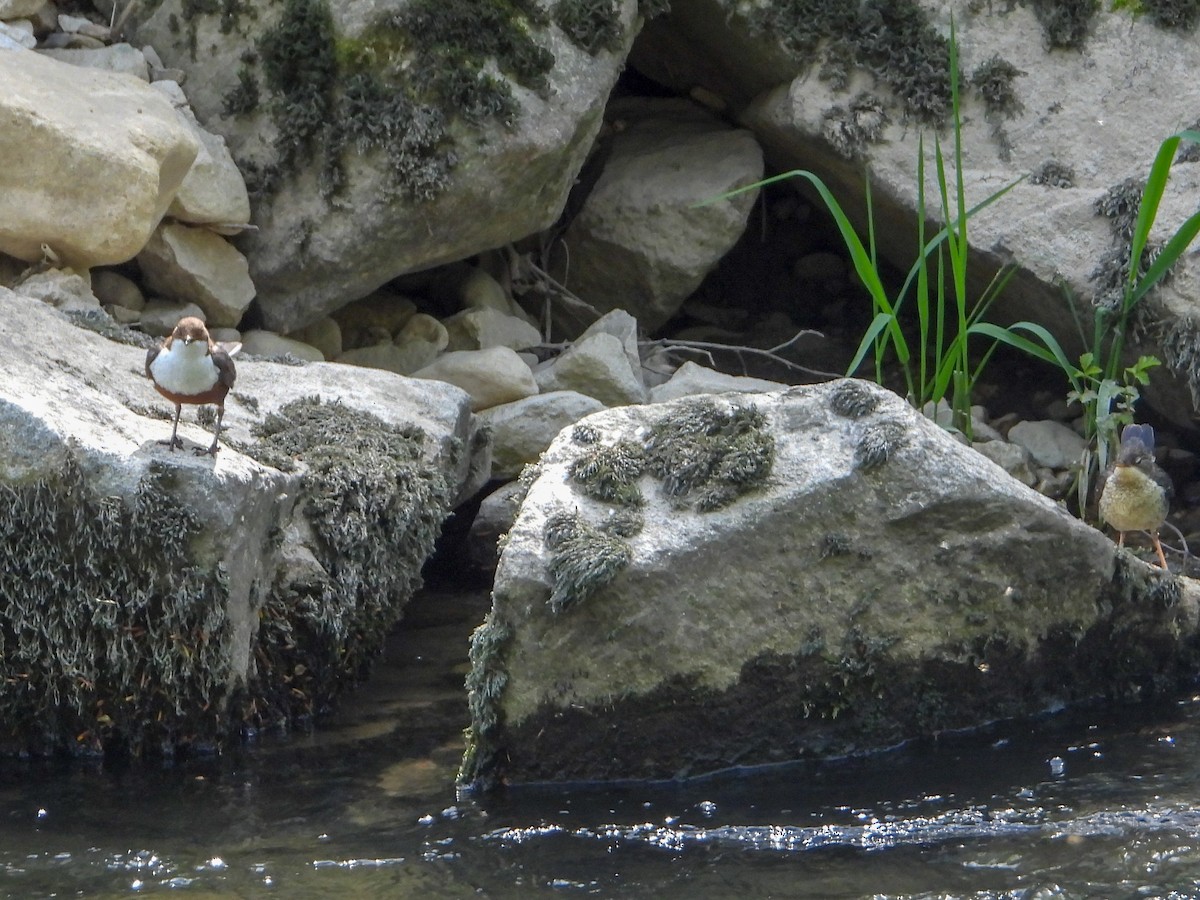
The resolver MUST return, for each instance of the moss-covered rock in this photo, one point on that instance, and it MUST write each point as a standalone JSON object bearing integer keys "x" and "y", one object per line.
{"x": 877, "y": 581}
{"x": 373, "y": 506}
{"x": 112, "y": 627}
{"x": 152, "y": 601}
{"x": 381, "y": 138}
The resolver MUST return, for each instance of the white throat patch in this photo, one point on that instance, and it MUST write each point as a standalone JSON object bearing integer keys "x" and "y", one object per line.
{"x": 185, "y": 368}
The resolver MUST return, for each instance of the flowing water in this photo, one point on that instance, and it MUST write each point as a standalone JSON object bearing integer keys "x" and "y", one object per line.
{"x": 1073, "y": 805}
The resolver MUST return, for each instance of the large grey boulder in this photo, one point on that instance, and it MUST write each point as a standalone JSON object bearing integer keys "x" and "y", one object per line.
{"x": 639, "y": 242}
{"x": 92, "y": 160}
{"x": 1075, "y": 95}
{"x": 154, "y": 598}
{"x": 730, "y": 580}
{"x": 372, "y": 161}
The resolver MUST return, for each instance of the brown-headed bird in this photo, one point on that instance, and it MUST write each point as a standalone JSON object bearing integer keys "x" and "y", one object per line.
{"x": 1136, "y": 493}
{"x": 190, "y": 367}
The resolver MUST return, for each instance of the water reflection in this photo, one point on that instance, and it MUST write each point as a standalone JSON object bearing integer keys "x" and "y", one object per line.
{"x": 1072, "y": 806}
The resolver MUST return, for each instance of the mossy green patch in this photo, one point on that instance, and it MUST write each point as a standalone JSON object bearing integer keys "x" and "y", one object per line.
{"x": 376, "y": 506}
{"x": 1065, "y": 23}
{"x": 709, "y": 453}
{"x": 485, "y": 686}
{"x": 396, "y": 89}
{"x": 878, "y": 443}
{"x": 609, "y": 472}
{"x": 853, "y": 398}
{"x": 994, "y": 81}
{"x": 892, "y": 39}
{"x": 230, "y": 12}
{"x": 1053, "y": 173}
{"x": 583, "y": 558}
{"x": 244, "y": 98}
{"x": 300, "y": 70}
{"x": 594, "y": 25}
{"x": 1180, "y": 15}
{"x": 852, "y": 128}
{"x": 1120, "y": 204}
{"x": 111, "y": 638}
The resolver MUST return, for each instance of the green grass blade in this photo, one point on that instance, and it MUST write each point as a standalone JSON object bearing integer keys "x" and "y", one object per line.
{"x": 1167, "y": 257}
{"x": 1156, "y": 183}
{"x": 881, "y": 321}
{"x": 1049, "y": 350}
{"x": 940, "y": 237}
{"x": 922, "y": 266}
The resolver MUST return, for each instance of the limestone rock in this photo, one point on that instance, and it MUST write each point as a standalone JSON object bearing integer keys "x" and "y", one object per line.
{"x": 65, "y": 290}
{"x": 424, "y": 327}
{"x": 1050, "y": 443}
{"x": 15, "y": 37}
{"x": 374, "y": 319}
{"x": 521, "y": 430}
{"x": 492, "y": 521}
{"x": 493, "y": 376}
{"x": 1012, "y": 458}
{"x": 195, "y": 265}
{"x": 165, "y": 564}
{"x": 80, "y": 25}
{"x": 257, "y": 342}
{"x": 792, "y": 575}
{"x": 122, "y": 315}
{"x": 45, "y": 20}
{"x": 449, "y": 178}
{"x": 691, "y": 379}
{"x": 324, "y": 334}
{"x": 225, "y": 335}
{"x": 214, "y": 190}
{"x": 16, "y": 9}
{"x": 640, "y": 242}
{"x": 121, "y": 143}
{"x": 114, "y": 289}
{"x": 598, "y": 366}
{"x": 624, "y": 327}
{"x": 159, "y": 318}
{"x": 479, "y": 290}
{"x": 480, "y": 328}
{"x": 120, "y": 58}
{"x": 403, "y": 359}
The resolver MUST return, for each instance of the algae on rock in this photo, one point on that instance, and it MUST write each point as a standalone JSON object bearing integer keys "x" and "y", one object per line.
{"x": 880, "y": 584}
{"x": 111, "y": 633}
{"x": 375, "y": 506}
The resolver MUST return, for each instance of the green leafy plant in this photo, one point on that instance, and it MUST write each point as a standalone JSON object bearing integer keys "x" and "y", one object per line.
{"x": 939, "y": 363}
{"x": 1101, "y": 382}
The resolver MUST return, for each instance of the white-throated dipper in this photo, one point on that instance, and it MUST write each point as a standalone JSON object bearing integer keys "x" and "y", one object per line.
{"x": 190, "y": 367}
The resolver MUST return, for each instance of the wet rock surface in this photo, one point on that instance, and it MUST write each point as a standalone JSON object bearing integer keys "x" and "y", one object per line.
{"x": 662, "y": 612}
{"x": 158, "y": 599}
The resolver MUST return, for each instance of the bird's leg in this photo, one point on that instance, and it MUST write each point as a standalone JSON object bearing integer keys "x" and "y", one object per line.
{"x": 175, "y": 440}
{"x": 212, "y": 450}
{"x": 1162, "y": 559}
{"x": 1120, "y": 539}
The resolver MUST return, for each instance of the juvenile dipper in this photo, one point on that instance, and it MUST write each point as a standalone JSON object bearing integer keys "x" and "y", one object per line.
{"x": 1137, "y": 493}
{"x": 190, "y": 367}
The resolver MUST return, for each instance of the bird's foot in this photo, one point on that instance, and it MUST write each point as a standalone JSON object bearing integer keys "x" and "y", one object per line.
{"x": 207, "y": 451}
{"x": 173, "y": 443}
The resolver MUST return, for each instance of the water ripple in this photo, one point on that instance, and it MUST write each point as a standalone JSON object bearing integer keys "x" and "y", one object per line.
{"x": 876, "y": 834}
